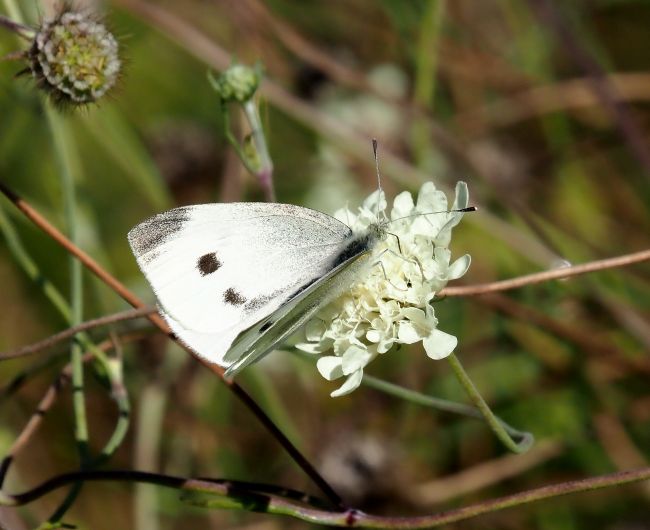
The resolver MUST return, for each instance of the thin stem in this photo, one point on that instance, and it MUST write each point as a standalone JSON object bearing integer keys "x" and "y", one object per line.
{"x": 119, "y": 394}
{"x": 67, "y": 160}
{"x": 158, "y": 321}
{"x": 24, "y": 260}
{"x": 495, "y": 424}
{"x": 19, "y": 29}
{"x": 555, "y": 274}
{"x": 425, "y": 80}
{"x": 148, "y": 433}
{"x": 117, "y": 391}
{"x": 30, "y": 268}
{"x": 265, "y": 171}
{"x": 70, "y": 332}
{"x": 437, "y": 403}
{"x": 273, "y": 500}
{"x": 234, "y": 143}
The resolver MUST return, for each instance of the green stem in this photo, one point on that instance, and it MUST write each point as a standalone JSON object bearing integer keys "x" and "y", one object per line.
{"x": 265, "y": 171}
{"x": 495, "y": 424}
{"x": 233, "y": 141}
{"x": 113, "y": 369}
{"x": 30, "y": 268}
{"x": 426, "y": 71}
{"x": 436, "y": 403}
{"x": 66, "y": 159}
{"x": 63, "y": 148}
{"x": 148, "y": 434}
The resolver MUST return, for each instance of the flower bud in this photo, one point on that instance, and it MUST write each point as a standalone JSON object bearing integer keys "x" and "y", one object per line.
{"x": 238, "y": 83}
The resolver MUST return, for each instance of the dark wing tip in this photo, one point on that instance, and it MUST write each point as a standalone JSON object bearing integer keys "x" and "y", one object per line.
{"x": 156, "y": 230}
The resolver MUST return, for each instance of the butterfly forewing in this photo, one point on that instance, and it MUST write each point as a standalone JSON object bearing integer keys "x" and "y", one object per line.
{"x": 217, "y": 269}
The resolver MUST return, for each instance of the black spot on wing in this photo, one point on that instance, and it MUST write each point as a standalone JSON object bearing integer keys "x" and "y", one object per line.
{"x": 208, "y": 263}
{"x": 232, "y": 297}
{"x": 156, "y": 230}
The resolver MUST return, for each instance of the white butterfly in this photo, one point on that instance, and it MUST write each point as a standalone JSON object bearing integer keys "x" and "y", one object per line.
{"x": 235, "y": 280}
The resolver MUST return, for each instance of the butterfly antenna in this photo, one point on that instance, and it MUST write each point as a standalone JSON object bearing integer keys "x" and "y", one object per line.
{"x": 375, "y": 147}
{"x": 455, "y": 210}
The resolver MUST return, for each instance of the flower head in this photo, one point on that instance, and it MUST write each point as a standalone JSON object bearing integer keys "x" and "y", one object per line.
{"x": 392, "y": 304}
{"x": 74, "y": 58}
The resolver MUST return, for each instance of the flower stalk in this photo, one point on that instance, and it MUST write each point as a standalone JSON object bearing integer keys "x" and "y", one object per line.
{"x": 238, "y": 84}
{"x": 497, "y": 426}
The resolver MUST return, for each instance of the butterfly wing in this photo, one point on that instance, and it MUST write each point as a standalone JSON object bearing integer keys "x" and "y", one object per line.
{"x": 264, "y": 335}
{"x": 217, "y": 269}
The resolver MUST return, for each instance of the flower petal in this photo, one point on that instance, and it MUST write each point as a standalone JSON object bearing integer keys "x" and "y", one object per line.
{"x": 415, "y": 315}
{"x": 402, "y": 205}
{"x": 352, "y": 383}
{"x": 355, "y": 358}
{"x": 408, "y": 333}
{"x": 462, "y": 196}
{"x": 439, "y": 344}
{"x": 330, "y": 367}
{"x": 459, "y": 267}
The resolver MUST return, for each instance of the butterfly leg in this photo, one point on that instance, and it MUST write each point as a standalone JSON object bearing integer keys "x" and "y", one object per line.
{"x": 413, "y": 260}
{"x": 399, "y": 245}
{"x": 381, "y": 265}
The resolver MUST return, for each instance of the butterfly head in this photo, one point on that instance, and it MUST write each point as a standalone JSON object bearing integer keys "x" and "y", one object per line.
{"x": 378, "y": 231}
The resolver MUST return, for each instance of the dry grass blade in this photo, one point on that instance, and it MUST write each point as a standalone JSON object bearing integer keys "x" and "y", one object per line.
{"x": 71, "y": 332}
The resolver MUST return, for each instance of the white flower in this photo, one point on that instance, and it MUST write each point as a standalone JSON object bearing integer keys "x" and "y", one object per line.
{"x": 393, "y": 303}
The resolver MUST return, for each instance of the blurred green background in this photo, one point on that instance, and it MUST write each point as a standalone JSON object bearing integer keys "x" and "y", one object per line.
{"x": 541, "y": 106}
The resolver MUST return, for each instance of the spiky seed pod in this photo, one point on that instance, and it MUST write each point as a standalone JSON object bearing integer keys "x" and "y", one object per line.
{"x": 74, "y": 58}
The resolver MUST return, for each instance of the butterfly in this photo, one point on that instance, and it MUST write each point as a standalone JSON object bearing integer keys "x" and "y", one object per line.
{"x": 234, "y": 280}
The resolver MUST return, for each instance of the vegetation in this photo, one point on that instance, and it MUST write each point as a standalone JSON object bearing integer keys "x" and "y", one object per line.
{"x": 540, "y": 106}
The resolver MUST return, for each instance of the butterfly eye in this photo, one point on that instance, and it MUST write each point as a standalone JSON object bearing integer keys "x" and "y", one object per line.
{"x": 208, "y": 263}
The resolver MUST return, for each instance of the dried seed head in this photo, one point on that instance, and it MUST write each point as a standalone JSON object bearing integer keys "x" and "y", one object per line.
{"x": 74, "y": 58}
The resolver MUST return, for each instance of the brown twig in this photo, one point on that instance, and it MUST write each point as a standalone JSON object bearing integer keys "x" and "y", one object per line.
{"x": 252, "y": 498}
{"x": 19, "y": 29}
{"x": 539, "y": 277}
{"x": 70, "y": 332}
{"x": 158, "y": 321}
